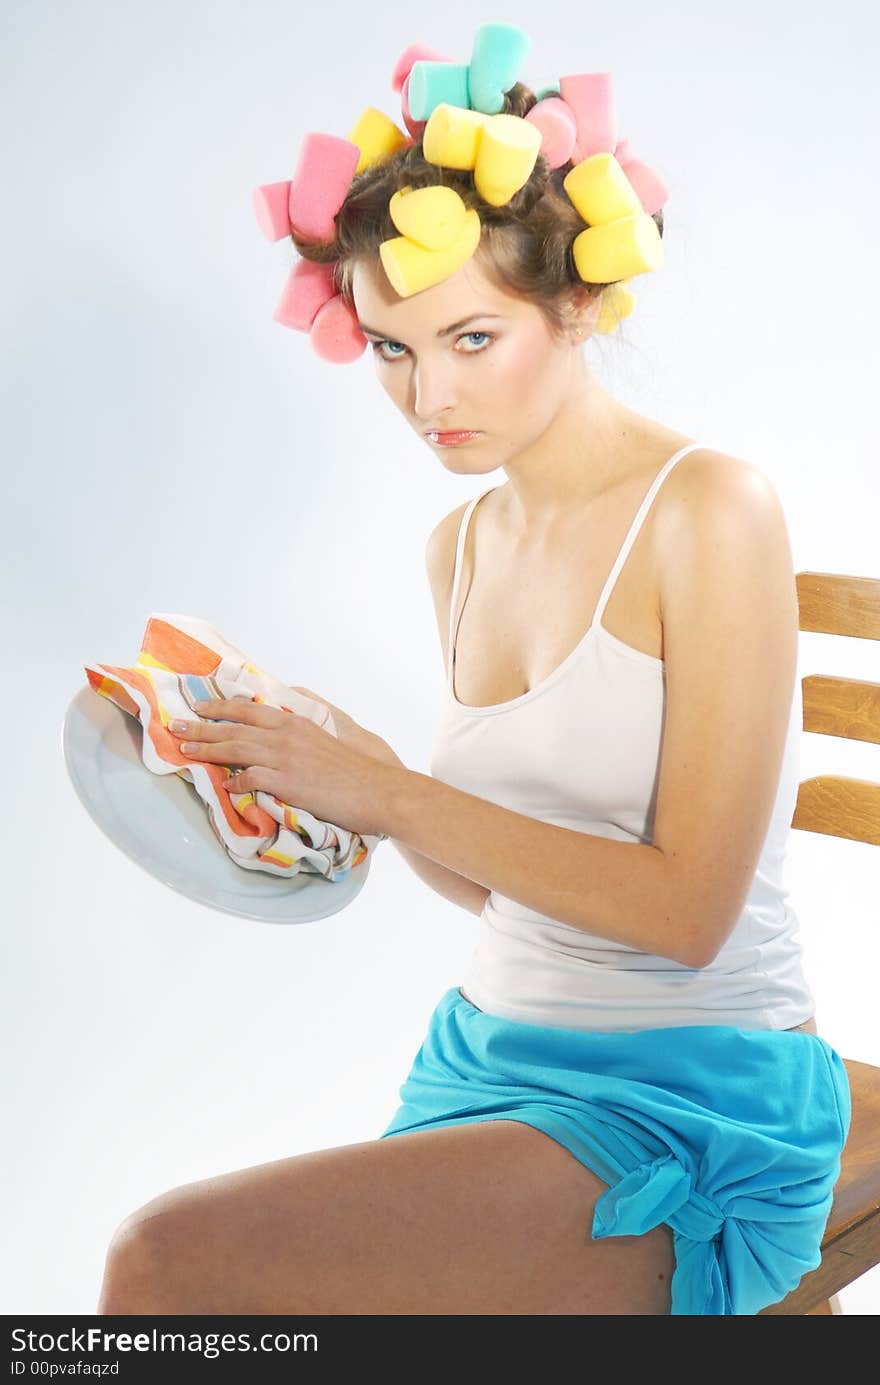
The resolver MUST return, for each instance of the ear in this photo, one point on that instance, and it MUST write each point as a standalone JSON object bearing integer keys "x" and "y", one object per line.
{"x": 584, "y": 311}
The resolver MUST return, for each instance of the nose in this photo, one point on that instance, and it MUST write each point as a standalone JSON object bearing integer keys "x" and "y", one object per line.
{"x": 434, "y": 393}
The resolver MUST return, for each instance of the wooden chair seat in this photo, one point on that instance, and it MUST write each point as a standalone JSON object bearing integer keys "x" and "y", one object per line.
{"x": 851, "y": 1244}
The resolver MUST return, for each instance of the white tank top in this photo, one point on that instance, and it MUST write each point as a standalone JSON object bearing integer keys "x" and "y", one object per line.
{"x": 581, "y": 749}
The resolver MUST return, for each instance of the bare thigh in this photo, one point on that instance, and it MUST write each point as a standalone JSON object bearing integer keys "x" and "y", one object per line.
{"x": 488, "y": 1217}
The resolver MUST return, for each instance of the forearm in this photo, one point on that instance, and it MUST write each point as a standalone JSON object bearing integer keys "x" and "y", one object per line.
{"x": 468, "y": 894}
{"x": 457, "y": 888}
{"x": 624, "y": 891}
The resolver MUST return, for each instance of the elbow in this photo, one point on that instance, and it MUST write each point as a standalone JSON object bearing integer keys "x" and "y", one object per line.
{"x": 702, "y": 958}
{"x": 706, "y": 944}
{"x": 697, "y": 944}
{"x": 692, "y": 950}
{"x": 707, "y": 925}
{"x": 700, "y": 927}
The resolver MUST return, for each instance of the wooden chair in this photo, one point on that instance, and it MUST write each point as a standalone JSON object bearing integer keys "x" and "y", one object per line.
{"x": 837, "y": 806}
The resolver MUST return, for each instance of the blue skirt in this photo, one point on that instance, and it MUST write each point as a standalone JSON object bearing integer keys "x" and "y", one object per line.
{"x": 731, "y": 1136}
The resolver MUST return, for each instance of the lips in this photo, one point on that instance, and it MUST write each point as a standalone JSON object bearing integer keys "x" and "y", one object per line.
{"x": 452, "y": 435}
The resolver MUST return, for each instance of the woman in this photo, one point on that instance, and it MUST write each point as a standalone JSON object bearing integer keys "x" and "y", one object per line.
{"x": 622, "y": 1090}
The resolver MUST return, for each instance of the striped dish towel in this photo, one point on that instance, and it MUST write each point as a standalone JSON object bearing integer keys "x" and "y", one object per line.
{"x": 185, "y": 660}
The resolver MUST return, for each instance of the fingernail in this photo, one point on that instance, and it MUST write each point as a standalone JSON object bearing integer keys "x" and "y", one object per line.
{"x": 177, "y": 724}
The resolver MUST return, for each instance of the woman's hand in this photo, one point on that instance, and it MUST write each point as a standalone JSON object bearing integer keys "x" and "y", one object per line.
{"x": 351, "y": 733}
{"x": 289, "y": 756}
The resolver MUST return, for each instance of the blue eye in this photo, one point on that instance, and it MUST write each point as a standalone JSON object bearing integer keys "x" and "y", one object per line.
{"x": 476, "y": 334}
{"x": 377, "y": 346}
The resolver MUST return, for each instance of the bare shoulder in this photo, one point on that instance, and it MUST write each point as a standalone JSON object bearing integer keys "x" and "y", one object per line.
{"x": 709, "y": 495}
{"x": 704, "y": 474}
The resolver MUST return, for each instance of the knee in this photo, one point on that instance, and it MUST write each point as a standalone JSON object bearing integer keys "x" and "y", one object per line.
{"x": 137, "y": 1267}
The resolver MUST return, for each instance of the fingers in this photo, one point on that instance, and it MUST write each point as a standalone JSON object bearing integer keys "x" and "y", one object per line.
{"x": 210, "y": 732}
{"x": 207, "y": 740}
{"x": 235, "y": 731}
{"x": 219, "y": 752}
{"x": 252, "y": 779}
{"x": 220, "y": 712}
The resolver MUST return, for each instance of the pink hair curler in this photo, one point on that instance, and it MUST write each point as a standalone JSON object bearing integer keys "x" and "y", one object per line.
{"x": 320, "y": 183}
{"x": 335, "y": 335}
{"x": 650, "y": 187}
{"x": 309, "y": 286}
{"x": 271, "y": 204}
{"x": 556, "y": 121}
{"x": 590, "y": 96}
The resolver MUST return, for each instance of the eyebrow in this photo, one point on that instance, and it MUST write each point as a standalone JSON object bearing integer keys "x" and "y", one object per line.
{"x": 444, "y": 331}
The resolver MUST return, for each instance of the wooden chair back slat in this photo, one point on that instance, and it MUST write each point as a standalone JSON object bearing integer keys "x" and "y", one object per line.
{"x": 834, "y": 604}
{"x": 848, "y": 707}
{"x": 839, "y": 807}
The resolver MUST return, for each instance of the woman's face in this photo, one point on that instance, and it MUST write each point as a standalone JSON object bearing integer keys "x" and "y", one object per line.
{"x": 501, "y": 372}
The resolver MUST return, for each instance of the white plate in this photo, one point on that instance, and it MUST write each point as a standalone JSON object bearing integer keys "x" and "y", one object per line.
{"x": 160, "y": 822}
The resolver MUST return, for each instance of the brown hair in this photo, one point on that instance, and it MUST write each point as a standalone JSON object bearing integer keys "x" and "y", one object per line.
{"x": 525, "y": 245}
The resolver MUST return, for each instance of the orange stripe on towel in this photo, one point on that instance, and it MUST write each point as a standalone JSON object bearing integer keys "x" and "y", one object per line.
{"x": 174, "y": 649}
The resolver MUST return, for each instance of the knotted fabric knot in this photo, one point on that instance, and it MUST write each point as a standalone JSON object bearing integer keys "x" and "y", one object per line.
{"x": 661, "y": 1190}
{"x": 658, "y": 1191}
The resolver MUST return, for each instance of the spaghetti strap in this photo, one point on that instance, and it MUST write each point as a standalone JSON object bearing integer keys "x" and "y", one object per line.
{"x": 634, "y": 528}
{"x": 456, "y": 576}
{"x": 609, "y": 583}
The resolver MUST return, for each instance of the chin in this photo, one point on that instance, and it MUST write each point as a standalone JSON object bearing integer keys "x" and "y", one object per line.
{"x": 458, "y": 466}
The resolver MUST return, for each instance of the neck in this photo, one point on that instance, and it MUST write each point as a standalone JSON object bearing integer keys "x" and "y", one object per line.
{"x": 591, "y": 445}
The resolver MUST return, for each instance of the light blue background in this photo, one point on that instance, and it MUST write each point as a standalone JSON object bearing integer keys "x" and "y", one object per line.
{"x": 153, "y": 407}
